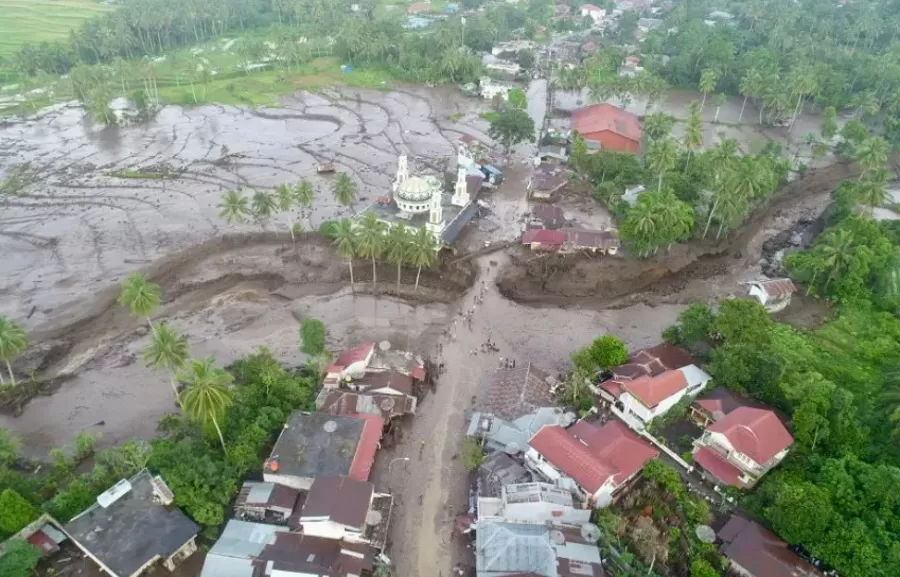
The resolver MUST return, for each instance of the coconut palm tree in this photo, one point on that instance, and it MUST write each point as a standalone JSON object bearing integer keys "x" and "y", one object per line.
{"x": 207, "y": 395}
{"x": 871, "y": 191}
{"x": 141, "y": 297}
{"x": 708, "y": 80}
{"x": 675, "y": 218}
{"x": 371, "y": 241}
{"x": 168, "y": 350}
{"x": 750, "y": 87}
{"x": 837, "y": 249}
{"x": 398, "y": 248}
{"x": 233, "y": 207}
{"x": 304, "y": 195}
{"x": 13, "y": 341}
{"x": 344, "y": 190}
{"x": 284, "y": 200}
{"x": 264, "y": 206}
{"x": 872, "y": 154}
{"x": 661, "y": 157}
{"x": 423, "y": 251}
{"x": 718, "y": 100}
{"x": 642, "y": 224}
{"x": 347, "y": 242}
{"x": 693, "y": 133}
{"x": 658, "y": 125}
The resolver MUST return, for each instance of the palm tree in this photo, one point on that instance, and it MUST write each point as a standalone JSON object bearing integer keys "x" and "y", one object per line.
{"x": 675, "y": 217}
{"x": 371, "y": 241}
{"x": 140, "y": 296}
{"x": 398, "y": 249}
{"x": 872, "y": 154}
{"x": 422, "y": 251}
{"x": 13, "y": 341}
{"x": 872, "y": 190}
{"x": 641, "y": 224}
{"x": 661, "y": 157}
{"x": 233, "y": 207}
{"x": 207, "y": 396}
{"x": 836, "y": 251}
{"x": 344, "y": 190}
{"x": 750, "y": 86}
{"x": 693, "y": 133}
{"x": 167, "y": 350}
{"x": 708, "y": 80}
{"x": 718, "y": 101}
{"x": 284, "y": 196}
{"x": 346, "y": 240}
{"x": 264, "y": 205}
{"x": 304, "y": 196}
{"x": 658, "y": 125}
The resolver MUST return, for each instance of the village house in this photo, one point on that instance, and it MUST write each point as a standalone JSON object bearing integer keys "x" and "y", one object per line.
{"x": 501, "y": 66}
{"x": 134, "y": 525}
{"x": 754, "y": 551}
{"x": 774, "y": 294}
{"x": 522, "y": 549}
{"x": 498, "y": 471}
{"x": 742, "y": 447}
{"x": 253, "y": 549}
{"x": 375, "y": 369}
{"x": 418, "y": 8}
{"x": 547, "y": 180}
{"x": 593, "y": 12}
{"x": 266, "y": 502}
{"x": 346, "y": 509}
{"x": 715, "y": 405}
{"x": 569, "y": 240}
{"x": 45, "y": 533}
{"x": 537, "y": 503}
{"x": 546, "y": 216}
{"x": 650, "y": 383}
{"x": 320, "y": 445}
{"x": 595, "y": 463}
{"x": 608, "y": 127}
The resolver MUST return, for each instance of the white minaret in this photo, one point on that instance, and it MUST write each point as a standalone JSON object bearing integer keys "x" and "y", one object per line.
{"x": 402, "y": 172}
{"x": 436, "y": 212}
{"x": 461, "y": 192}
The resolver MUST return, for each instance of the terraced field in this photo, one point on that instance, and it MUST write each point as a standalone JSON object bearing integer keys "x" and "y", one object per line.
{"x": 24, "y": 21}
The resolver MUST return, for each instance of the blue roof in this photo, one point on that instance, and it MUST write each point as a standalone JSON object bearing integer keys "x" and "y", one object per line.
{"x": 511, "y": 548}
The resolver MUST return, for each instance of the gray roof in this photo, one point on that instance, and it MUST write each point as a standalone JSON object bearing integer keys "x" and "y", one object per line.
{"x": 133, "y": 530}
{"x": 502, "y": 433}
{"x": 240, "y": 543}
{"x": 499, "y": 470}
{"x": 317, "y": 445}
{"x": 508, "y": 548}
{"x": 454, "y": 227}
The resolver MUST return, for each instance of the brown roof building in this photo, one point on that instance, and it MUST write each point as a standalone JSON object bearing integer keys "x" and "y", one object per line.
{"x": 609, "y": 127}
{"x": 514, "y": 393}
{"x": 754, "y": 551}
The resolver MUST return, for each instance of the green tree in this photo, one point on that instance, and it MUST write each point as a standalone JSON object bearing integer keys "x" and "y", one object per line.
{"x": 829, "y": 126}
{"x": 285, "y": 199}
{"x": 700, "y": 567}
{"x": 836, "y": 250}
{"x": 312, "y": 336}
{"x": 694, "y": 326}
{"x": 661, "y": 158}
{"x": 423, "y": 251}
{"x": 871, "y": 191}
{"x": 751, "y": 86}
{"x": 141, "y": 297}
{"x": 19, "y": 559}
{"x": 207, "y": 395}
{"x": 344, "y": 190}
{"x": 346, "y": 240}
{"x": 708, "y": 81}
{"x": 304, "y": 195}
{"x": 169, "y": 350}
{"x": 693, "y": 132}
{"x": 10, "y": 447}
{"x": 511, "y": 127}
{"x": 473, "y": 454}
{"x": 13, "y": 342}
{"x": 264, "y": 204}
{"x": 398, "y": 247}
{"x": 741, "y": 321}
{"x": 15, "y": 512}
{"x": 718, "y": 100}
{"x": 872, "y": 154}
{"x": 371, "y": 241}
{"x": 608, "y": 351}
{"x": 233, "y": 207}
{"x": 518, "y": 99}
{"x": 579, "y": 152}
{"x": 658, "y": 125}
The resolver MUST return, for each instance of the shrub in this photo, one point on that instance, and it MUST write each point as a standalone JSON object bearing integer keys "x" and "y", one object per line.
{"x": 15, "y": 512}
{"x": 312, "y": 336}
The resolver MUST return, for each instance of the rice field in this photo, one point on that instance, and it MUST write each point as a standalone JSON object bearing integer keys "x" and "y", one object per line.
{"x": 23, "y": 21}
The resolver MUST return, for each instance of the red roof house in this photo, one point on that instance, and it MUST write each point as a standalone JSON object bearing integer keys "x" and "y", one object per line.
{"x": 651, "y": 391}
{"x": 364, "y": 458}
{"x": 600, "y": 460}
{"x": 609, "y": 126}
{"x": 743, "y": 446}
{"x": 418, "y": 7}
{"x": 755, "y": 551}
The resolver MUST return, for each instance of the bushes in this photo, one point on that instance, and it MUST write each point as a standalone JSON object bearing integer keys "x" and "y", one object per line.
{"x": 312, "y": 336}
{"x": 15, "y": 512}
{"x": 20, "y": 559}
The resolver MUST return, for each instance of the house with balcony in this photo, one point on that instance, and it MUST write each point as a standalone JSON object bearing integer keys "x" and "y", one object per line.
{"x": 742, "y": 447}
{"x": 536, "y": 503}
{"x": 595, "y": 463}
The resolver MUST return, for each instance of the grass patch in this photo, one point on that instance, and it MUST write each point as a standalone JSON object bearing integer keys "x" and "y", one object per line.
{"x": 37, "y": 21}
{"x": 490, "y": 115}
{"x": 137, "y": 174}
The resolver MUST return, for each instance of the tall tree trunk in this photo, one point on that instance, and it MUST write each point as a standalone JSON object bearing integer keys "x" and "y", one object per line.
{"x": 659, "y": 186}
{"x": 221, "y": 438}
{"x": 350, "y": 264}
{"x": 12, "y": 377}
{"x": 761, "y": 108}
{"x": 417, "y": 278}
{"x": 796, "y": 112}
{"x": 152, "y": 328}
{"x": 703, "y": 102}
{"x": 374, "y": 275}
{"x": 175, "y": 390}
{"x": 741, "y": 115}
{"x": 709, "y": 220}
{"x": 290, "y": 227}
{"x": 399, "y": 263}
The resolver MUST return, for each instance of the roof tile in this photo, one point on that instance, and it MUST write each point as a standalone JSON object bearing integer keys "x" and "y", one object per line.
{"x": 757, "y": 433}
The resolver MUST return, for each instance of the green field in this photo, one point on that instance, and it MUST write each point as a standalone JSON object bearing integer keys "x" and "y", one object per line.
{"x": 23, "y": 21}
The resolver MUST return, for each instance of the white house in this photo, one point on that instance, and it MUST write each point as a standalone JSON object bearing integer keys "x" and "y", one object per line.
{"x": 350, "y": 364}
{"x": 643, "y": 399}
{"x": 595, "y": 463}
{"x": 538, "y": 503}
{"x": 596, "y": 13}
{"x": 743, "y": 446}
{"x": 774, "y": 294}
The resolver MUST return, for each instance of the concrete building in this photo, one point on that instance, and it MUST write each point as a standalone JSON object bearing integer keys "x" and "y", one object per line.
{"x": 595, "y": 463}
{"x": 346, "y": 509}
{"x": 132, "y": 526}
{"x": 774, "y": 294}
{"x": 754, "y": 551}
{"x": 520, "y": 549}
{"x": 320, "y": 445}
{"x": 608, "y": 127}
{"x": 593, "y": 12}
{"x": 533, "y": 503}
{"x": 569, "y": 240}
{"x": 267, "y": 502}
{"x": 739, "y": 449}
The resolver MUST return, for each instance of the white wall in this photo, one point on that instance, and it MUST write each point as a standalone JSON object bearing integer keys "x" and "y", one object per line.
{"x": 300, "y": 483}
{"x": 329, "y": 530}
{"x": 632, "y": 404}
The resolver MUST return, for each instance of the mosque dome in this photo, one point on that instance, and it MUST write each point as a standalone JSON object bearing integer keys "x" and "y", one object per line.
{"x": 417, "y": 189}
